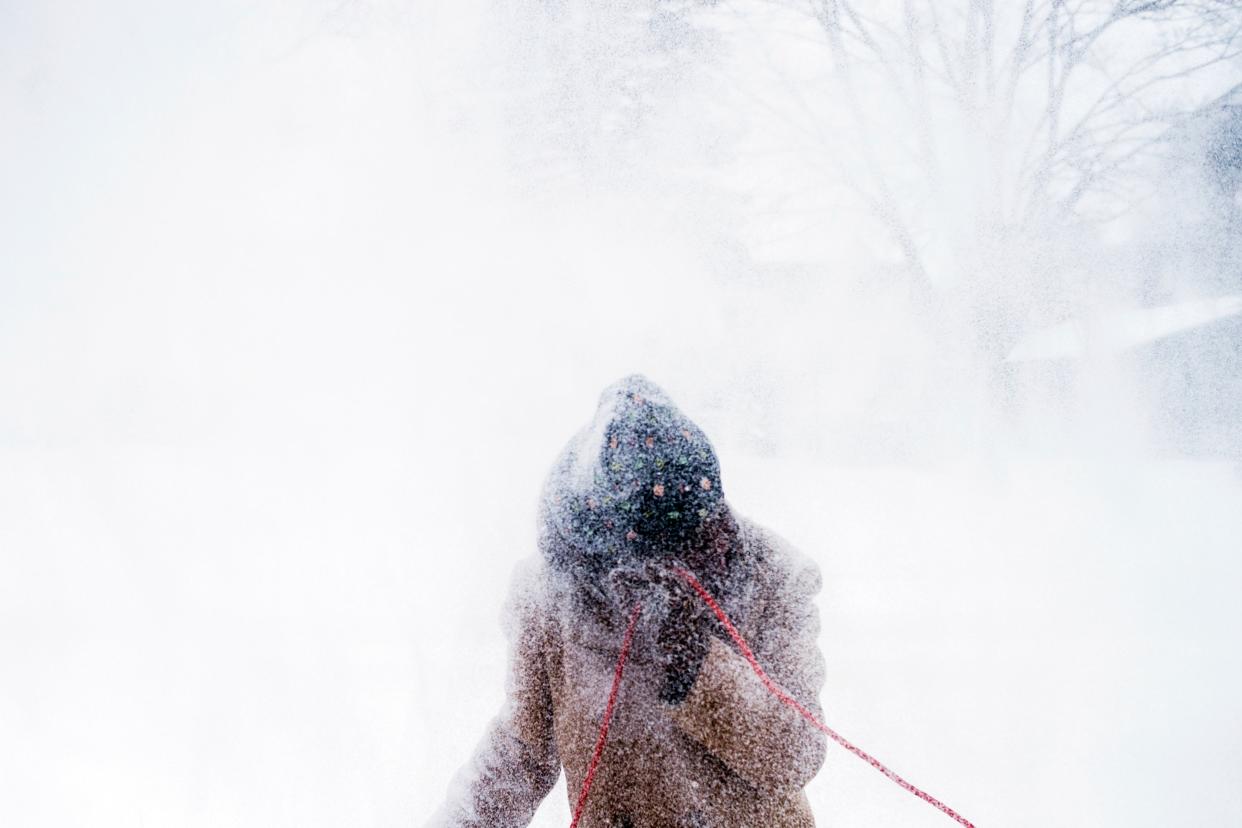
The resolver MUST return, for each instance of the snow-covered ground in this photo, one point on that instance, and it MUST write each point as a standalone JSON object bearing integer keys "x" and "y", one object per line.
{"x": 1051, "y": 644}
{"x": 244, "y": 638}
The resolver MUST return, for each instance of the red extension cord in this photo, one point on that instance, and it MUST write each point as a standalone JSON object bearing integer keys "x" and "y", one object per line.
{"x": 612, "y": 702}
{"x": 772, "y": 687}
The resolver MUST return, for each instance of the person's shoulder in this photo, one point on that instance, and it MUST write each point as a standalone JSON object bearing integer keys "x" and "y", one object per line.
{"x": 778, "y": 562}
{"x": 530, "y": 574}
{"x": 529, "y": 597}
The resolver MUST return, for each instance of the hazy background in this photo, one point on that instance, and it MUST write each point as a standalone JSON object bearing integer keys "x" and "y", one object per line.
{"x": 299, "y": 300}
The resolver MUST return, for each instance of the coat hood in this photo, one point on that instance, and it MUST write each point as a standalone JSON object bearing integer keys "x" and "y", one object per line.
{"x": 640, "y": 482}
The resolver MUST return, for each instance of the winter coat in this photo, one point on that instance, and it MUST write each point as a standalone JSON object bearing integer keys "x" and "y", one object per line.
{"x": 726, "y": 753}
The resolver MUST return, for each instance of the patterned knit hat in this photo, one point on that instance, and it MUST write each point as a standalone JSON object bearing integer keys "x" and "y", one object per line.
{"x": 638, "y": 483}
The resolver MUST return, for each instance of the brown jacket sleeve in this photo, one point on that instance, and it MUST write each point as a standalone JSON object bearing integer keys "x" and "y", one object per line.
{"x": 515, "y": 764}
{"x": 735, "y": 717}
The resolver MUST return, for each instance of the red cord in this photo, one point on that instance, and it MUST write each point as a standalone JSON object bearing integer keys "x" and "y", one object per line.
{"x": 772, "y": 687}
{"x": 776, "y": 690}
{"x": 603, "y": 728}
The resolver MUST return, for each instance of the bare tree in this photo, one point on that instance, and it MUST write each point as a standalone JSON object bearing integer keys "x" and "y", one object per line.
{"x": 991, "y": 129}
{"x": 585, "y": 84}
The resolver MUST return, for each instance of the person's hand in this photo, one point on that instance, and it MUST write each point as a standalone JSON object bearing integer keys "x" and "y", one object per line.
{"x": 684, "y": 635}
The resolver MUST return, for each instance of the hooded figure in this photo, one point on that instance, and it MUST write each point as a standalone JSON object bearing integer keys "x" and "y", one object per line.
{"x": 695, "y": 739}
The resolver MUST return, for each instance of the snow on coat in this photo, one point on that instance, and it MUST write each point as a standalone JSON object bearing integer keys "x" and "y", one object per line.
{"x": 696, "y": 739}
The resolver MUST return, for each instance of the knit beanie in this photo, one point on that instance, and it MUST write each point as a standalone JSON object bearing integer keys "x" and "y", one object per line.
{"x": 638, "y": 483}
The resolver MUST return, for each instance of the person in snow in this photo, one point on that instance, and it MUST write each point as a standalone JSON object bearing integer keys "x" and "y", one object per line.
{"x": 696, "y": 739}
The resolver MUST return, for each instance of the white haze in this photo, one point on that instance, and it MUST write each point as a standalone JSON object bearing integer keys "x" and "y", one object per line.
{"x": 298, "y": 302}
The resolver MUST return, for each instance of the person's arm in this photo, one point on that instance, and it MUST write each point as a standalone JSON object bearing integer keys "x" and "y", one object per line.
{"x": 515, "y": 764}
{"x": 728, "y": 710}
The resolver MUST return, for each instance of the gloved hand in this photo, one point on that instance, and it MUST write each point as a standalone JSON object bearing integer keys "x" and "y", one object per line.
{"x": 684, "y": 635}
